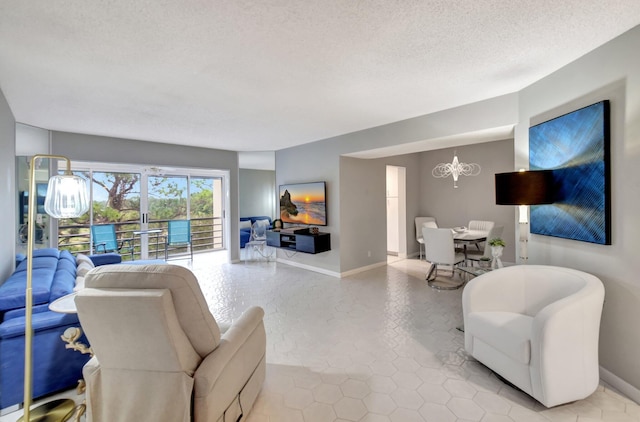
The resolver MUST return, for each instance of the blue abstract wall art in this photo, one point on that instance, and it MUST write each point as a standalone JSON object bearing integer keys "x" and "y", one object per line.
{"x": 576, "y": 147}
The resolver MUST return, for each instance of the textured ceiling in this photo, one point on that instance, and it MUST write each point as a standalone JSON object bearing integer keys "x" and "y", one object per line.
{"x": 265, "y": 75}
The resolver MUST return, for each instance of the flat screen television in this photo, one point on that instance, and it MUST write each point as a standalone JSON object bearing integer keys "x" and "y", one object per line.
{"x": 303, "y": 203}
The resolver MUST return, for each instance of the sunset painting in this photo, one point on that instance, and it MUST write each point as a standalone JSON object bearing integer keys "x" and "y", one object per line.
{"x": 303, "y": 203}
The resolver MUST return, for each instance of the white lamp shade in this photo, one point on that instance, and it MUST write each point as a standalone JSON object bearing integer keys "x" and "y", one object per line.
{"x": 67, "y": 196}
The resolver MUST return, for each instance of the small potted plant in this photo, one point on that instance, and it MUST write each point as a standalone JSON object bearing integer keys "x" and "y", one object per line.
{"x": 497, "y": 245}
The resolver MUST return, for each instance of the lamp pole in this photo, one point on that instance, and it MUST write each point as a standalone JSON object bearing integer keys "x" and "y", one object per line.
{"x": 57, "y": 410}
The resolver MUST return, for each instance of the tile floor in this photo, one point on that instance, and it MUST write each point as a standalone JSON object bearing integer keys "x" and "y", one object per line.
{"x": 377, "y": 346}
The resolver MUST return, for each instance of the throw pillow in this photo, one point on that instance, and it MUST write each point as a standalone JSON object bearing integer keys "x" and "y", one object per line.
{"x": 83, "y": 269}
{"x": 245, "y": 224}
{"x": 79, "y": 284}
{"x": 80, "y": 258}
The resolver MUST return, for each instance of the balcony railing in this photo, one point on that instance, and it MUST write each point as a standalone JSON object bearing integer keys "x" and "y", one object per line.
{"x": 206, "y": 235}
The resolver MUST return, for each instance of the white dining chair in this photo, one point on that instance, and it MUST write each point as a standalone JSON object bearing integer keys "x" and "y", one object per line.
{"x": 420, "y": 223}
{"x": 439, "y": 251}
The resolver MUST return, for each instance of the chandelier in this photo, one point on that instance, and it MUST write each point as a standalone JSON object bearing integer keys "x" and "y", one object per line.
{"x": 455, "y": 169}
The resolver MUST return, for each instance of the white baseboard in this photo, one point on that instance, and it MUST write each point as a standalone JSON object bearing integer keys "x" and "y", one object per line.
{"x": 361, "y": 269}
{"x": 309, "y": 267}
{"x": 620, "y": 385}
{"x": 332, "y": 273}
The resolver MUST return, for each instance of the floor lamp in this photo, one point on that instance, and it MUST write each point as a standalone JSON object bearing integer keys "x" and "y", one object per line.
{"x": 67, "y": 197}
{"x": 524, "y": 188}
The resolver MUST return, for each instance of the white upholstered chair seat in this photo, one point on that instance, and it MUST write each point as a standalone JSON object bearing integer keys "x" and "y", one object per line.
{"x": 507, "y": 332}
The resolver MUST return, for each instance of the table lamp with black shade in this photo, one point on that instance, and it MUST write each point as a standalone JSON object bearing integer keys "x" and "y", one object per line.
{"x": 524, "y": 188}
{"x": 67, "y": 197}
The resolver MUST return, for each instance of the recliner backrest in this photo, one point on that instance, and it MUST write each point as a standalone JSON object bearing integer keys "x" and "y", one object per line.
{"x": 144, "y": 319}
{"x": 191, "y": 308}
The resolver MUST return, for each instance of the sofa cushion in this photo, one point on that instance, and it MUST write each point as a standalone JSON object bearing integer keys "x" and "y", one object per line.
{"x": 505, "y": 331}
{"x": 12, "y": 291}
{"x": 42, "y": 258}
{"x": 105, "y": 259}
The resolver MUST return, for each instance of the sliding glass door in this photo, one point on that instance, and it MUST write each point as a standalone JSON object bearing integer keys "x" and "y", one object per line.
{"x": 141, "y": 203}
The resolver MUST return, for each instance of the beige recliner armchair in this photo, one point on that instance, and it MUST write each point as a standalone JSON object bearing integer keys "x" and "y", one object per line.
{"x": 159, "y": 354}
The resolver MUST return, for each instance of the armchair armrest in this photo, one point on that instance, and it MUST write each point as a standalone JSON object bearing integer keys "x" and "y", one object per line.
{"x": 568, "y": 332}
{"x": 224, "y": 371}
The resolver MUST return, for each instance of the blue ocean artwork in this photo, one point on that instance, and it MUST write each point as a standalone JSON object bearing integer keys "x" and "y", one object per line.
{"x": 576, "y": 147}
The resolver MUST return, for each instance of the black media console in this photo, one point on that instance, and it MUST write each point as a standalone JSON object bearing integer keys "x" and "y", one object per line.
{"x": 299, "y": 240}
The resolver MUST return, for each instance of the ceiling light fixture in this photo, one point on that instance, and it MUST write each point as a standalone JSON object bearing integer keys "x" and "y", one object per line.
{"x": 455, "y": 169}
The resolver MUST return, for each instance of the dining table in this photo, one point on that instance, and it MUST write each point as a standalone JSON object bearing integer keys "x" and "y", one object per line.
{"x": 467, "y": 237}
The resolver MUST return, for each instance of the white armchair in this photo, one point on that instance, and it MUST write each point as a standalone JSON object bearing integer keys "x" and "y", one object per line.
{"x": 159, "y": 354}
{"x": 538, "y": 327}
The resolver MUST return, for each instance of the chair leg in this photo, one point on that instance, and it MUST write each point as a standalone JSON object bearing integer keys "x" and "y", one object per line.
{"x": 431, "y": 280}
{"x": 433, "y": 268}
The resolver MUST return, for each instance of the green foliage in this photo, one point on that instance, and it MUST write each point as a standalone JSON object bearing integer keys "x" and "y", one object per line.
{"x": 497, "y": 242}
{"x": 202, "y": 204}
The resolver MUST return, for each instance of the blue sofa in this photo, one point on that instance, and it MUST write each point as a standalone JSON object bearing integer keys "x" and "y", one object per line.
{"x": 245, "y": 232}
{"x": 55, "y": 368}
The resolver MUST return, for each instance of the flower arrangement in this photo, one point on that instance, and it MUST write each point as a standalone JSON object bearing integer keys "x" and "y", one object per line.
{"x": 497, "y": 242}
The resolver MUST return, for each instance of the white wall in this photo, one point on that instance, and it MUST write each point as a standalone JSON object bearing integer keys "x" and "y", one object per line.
{"x": 609, "y": 72}
{"x": 8, "y": 194}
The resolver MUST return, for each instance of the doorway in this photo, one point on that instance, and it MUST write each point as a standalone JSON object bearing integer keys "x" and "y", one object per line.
{"x": 396, "y": 211}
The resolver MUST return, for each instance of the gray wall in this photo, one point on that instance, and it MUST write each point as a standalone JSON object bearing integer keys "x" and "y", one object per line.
{"x": 7, "y": 188}
{"x": 363, "y": 219}
{"x": 314, "y": 163}
{"x": 609, "y": 72}
{"x": 115, "y": 150}
{"x": 362, "y": 199}
{"x": 257, "y": 192}
{"x": 474, "y": 199}
{"x": 321, "y": 160}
